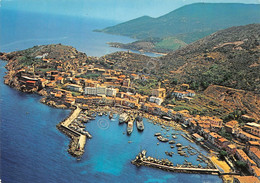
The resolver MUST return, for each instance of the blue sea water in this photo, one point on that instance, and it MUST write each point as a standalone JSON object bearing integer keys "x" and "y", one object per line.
{"x": 33, "y": 150}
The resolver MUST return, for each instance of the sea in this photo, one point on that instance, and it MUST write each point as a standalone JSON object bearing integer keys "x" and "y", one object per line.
{"x": 33, "y": 150}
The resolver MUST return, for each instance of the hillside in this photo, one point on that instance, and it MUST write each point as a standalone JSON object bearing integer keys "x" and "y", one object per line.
{"x": 228, "y": 57}
{"x": 189, "y": 23}
{"x": 236, "y": 99}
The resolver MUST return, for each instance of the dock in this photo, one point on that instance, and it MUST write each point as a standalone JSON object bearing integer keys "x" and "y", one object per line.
{"x": 78, "y": 140}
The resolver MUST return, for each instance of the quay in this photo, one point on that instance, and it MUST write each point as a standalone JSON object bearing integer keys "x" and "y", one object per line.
{"x": 78, "y": 140}
{"x": 165, "y": 164}
{"x": 181, "y": 169}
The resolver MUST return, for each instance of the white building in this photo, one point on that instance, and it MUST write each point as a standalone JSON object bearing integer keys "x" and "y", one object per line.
{"x": 111, "y": 92}
{"x": 156, "y": 100}
{"x": 101, "y": 90}
{"x": 90, "y": 91}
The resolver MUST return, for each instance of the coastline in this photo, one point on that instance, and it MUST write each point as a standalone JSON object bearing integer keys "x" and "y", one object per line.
{"x": 73, "y": 146}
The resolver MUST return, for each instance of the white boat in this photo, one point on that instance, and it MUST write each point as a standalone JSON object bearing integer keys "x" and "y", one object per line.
{"x": 123, "y": 118}
{"x": 130, "y": 127}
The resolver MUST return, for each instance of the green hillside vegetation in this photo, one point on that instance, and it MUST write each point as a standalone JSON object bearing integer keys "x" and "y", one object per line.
{"x": 189, "y": 23}
{"x": 170, "y": 43}
{"x": 229, "y": 58}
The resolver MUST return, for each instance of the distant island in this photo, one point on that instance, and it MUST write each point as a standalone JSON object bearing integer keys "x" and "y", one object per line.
{"x": 183, "y": 25}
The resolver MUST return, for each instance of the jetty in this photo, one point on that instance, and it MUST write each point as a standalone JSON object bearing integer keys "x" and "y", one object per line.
{"x": 78, "y": 137}
{"x": 165, "y": 164}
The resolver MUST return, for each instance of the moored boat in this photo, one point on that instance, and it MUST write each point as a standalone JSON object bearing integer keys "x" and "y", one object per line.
{"x": 110, "y": 115}
{"x": 130, "y": 127}
{"x": 139, "y": 123}
{"x": 123, "y": 118}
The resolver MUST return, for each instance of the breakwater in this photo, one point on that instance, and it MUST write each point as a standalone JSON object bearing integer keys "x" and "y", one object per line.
{"x": 165, "y": 164}
{"x": 78, "y": 140}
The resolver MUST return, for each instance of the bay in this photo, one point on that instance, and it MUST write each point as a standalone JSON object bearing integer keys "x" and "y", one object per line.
{"x": 33, "y": 150}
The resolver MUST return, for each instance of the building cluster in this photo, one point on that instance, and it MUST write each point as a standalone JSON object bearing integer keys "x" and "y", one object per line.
{"x": 67, "y": 86}
{"x": 207, "y": 128}
{"x": 184, "y": 93}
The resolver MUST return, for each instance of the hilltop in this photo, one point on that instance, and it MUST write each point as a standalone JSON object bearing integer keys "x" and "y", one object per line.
{"x": 186, "y": 24}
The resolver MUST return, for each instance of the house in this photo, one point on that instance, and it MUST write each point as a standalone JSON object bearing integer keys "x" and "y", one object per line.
{"x": 246, "y": 136}
{"x": 76, "y": 81}
{"x": 185, "y": 87}
{"x": 241, "y": 155}
{"x": 252, "y": 128}
{"x": 231, "y": 149}
{"x": 255, "y": 171}
{"x": 156, "y": 100}
{"x": 213, "y": 136}
{"x": 246, "y": 179}
{"x": 250, "y": 144}
{"x": 221, "y": 142}
{"x": 180, "y": 94}
{"x": 231, "y": 126}
{"x": 60, "y": 80}
{"x": 160, "y": 92}
{"x": 134, "y": 76}
{"x": 191, "y": 93}
{"x": 254, "y": 153}
{"x": 126, "y": 82}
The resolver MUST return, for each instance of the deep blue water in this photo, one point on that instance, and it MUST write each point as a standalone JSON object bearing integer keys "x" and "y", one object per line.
{"x": 21, "y": 30}
{"x": 33, "y": 150}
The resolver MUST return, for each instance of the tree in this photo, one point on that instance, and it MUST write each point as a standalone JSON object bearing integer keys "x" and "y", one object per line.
{"x": 240, "y": 164}
{"x": 222, "y": 154}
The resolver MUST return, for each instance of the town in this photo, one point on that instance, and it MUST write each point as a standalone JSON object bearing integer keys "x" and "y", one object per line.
{"x": 79, "y": 84}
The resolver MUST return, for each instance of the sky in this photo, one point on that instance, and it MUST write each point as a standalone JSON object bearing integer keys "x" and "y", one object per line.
{"x": 120, "y": 10}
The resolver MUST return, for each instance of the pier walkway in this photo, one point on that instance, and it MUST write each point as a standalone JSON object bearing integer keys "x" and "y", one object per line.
{"x": 78, "y": 140}
{"x": 73, "y": 116}
{"x": 181, "y": 169}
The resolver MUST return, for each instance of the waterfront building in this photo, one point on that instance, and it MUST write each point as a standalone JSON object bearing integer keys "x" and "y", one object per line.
{"x": 197, "y": 137}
